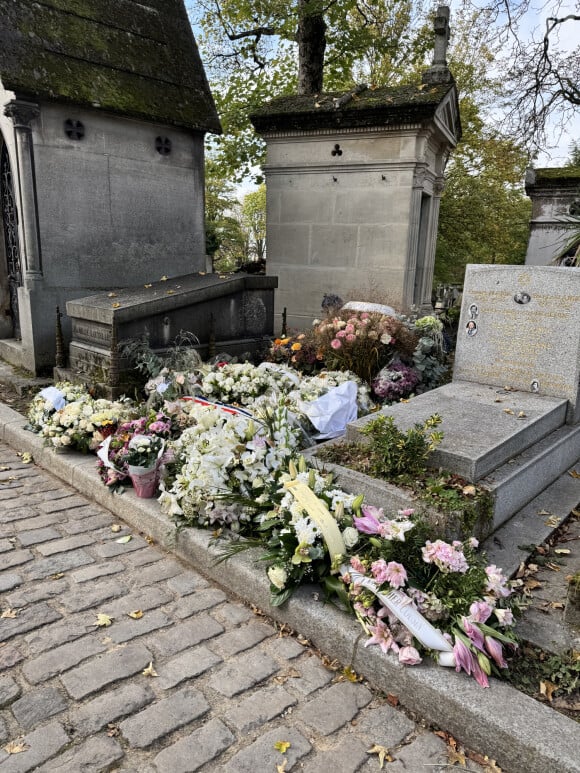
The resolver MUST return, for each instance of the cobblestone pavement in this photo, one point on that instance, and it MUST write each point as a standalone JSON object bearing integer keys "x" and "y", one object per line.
{"x": 227, "y": 686}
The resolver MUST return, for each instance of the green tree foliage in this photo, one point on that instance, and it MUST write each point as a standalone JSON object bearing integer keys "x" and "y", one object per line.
{"x": 251, "y": 50}
{"x": 254, "y": 222}
{"x": 484, "y": 215}
{"x": 574, "y": 159}
{"x": 225, "y": 241}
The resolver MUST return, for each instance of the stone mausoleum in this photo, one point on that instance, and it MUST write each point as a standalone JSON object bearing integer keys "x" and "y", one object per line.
{"x": 354, "y": 182}
{"x": 104, "y": 108}
{"x": 555, "y": 195}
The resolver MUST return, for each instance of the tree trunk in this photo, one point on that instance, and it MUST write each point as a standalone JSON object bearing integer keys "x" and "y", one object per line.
{"x": 311, "y": 39}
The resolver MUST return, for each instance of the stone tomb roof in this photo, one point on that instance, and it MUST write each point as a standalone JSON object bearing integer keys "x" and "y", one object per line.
{"x": 385, "y": 106}
{"x": 137, "y": 59}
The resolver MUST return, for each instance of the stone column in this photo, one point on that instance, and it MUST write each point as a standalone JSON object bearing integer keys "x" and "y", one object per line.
{"x": 419, "y": 176}
{"x": 427, "y": 283}
{"x": 22, "y": 114}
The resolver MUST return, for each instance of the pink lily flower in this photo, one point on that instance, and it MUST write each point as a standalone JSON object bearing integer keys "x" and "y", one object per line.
{"x": 370, "y": 521}
{"x": 409, "y": 656}
{"x": 474, "y": 633}
{"x": 495, "y": 650}
{"x": 463, "y": 657}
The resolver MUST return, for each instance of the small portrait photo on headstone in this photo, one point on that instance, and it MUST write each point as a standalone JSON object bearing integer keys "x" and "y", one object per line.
{"x": 473, "y": 311}
{"x": 522, "y": 297}
{"x": 535, "y": 386}
{"x": 471, "y": 328}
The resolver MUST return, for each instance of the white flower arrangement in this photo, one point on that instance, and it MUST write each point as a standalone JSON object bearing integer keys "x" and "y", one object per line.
{"x": 221, "y": 458}
{"x": 82, "y": 420}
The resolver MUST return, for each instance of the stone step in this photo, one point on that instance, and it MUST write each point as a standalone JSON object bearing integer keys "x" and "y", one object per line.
{"x": 483, "y": 426}
{"x": 517, "y": 482}
{"x": 513, "y": 485}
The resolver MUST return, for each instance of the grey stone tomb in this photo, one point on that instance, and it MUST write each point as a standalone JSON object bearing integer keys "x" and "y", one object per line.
{"x": 511, "y": 414}
{"x": 354, "y": 182}
{"x": 103, "y": 110}
{"x": 232, "y": 314}
{"x": 555, "y": 195}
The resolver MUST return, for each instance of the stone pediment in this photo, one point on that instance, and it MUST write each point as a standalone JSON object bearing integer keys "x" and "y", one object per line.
{"x": 447, "y": 117}
{"x": 135, "y": 59}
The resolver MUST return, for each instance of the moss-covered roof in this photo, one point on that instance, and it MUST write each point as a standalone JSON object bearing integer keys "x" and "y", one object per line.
{"x": 371, "y": 107}
{"x": 133, "y": 58}
{"x": 567, "y": 175}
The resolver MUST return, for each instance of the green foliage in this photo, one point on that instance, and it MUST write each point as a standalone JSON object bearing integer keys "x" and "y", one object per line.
{"x": 226, "y": 241}
{"x": 180, "y": 357}
{"x": 532, "y": 667}
{"x": 395, "y": 452}
{"x": 254, "y": 221}
{"x": 484, "y": 215}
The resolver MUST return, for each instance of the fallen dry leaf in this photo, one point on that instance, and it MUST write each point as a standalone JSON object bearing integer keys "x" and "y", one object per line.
{"x": 562, "y": 551}
{"x": 575, "y": 474}
{"x": 115, "y": 528}
{"x": 163, "y": 278}
{"x": 290, "y": 673}
{"x": 150, "y": 540}
{"x": 544, "y": 512}
{"x": 9, "y": 613}
{"x": 548, "y": 689}
{"x": 124, "y": 540}
{"x": 531, "y": 584}
{"x": 282, "y": 746}
{"x": 26, "y": 458}
{"x": 392, "y": 700}
{"x": 116, "y": 305}
{"x": 3, "y": 469}
{"x": 103, "y": 621}
{"x": 557, "y": 605}
{"x": 111, "y": 295}
{"x": 112, "y": 730}
{"x": 522, "y": 415}
{"x": 281, "y": 768}
{"x": 201, "y": 273}
{"x": 455, "y": 757}
{"x": 383, "y": 754}
{"x": 554, "y": 567}
{"x": 150, "y": 671}
{"x": 170, "y": 292}
{"x": 469, "y": 491}
{"x": 147, "y": 286}
{"x": 508, "y": 410}
{"x": 568, "y": 702}
{"x": 137, "y": 614}
{"x": 15, "y": 747}
{"x": 57, "y": 576}
{"x": 552, "y": 521}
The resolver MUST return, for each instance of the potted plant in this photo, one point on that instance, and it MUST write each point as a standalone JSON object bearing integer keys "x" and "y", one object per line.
{"x": 143, "y": 461}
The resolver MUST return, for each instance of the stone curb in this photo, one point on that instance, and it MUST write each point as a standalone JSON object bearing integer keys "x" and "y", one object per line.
{"x": 522, "y": 735}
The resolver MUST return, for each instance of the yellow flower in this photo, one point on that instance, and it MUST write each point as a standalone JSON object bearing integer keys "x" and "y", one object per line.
{"x": 296, "y": 347}
{"x": 302, "y": 554}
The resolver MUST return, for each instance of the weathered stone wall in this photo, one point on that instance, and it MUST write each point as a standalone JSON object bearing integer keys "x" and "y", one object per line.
{"x": 351, "y": 219}
{"x": 553, "y": 192}
{"x": 111, "y": 209}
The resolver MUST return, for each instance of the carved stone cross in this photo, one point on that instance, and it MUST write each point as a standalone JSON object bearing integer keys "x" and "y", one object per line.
{"x": 439, "y": 72}
{"x": 441, "y": 29}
